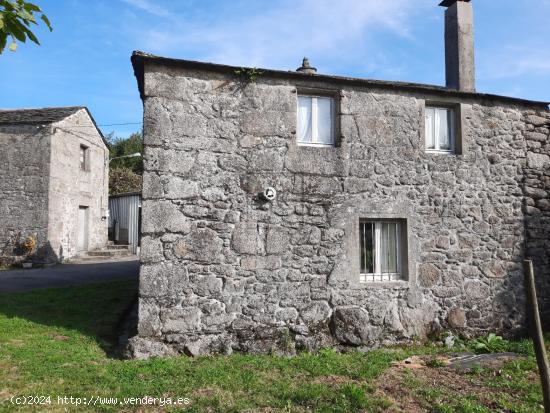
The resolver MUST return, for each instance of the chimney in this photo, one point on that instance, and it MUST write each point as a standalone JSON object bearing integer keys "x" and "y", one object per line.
{"x": 306, "y": 67}
{"x": 459, "y": 45}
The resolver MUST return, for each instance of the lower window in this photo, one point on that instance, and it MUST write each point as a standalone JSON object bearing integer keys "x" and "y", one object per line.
{"x": 380, "y": 243}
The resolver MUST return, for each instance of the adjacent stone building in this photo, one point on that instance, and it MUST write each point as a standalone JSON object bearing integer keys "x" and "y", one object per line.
{"x": 286, "y": 210}
{"x": 53, "y": 181}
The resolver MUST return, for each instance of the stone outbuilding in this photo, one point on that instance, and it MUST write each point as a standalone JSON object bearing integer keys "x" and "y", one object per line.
{"x": 53, "y": 181}
{"x": 286, "y": 210}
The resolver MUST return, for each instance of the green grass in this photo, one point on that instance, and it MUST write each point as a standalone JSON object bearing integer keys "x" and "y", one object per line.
{"x": 57, "y": 342}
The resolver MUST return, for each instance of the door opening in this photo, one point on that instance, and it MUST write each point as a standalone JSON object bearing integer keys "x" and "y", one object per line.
{"x": 83, "y": 228}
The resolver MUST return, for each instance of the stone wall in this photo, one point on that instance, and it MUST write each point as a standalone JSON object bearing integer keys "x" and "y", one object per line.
{"x": 222, "y": 270}
{"x": 537, "y": 203}
{"x": 70, "y": 187}
{"x": 24, "y": 169}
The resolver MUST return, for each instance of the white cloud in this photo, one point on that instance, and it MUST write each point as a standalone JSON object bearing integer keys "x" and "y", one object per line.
{"x": 514, "y": 62}
{"x": 280, "y": 36}
{"x": 149, "y": 7}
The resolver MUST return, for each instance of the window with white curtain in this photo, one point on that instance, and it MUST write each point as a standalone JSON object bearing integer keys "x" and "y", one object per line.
{"x": 380, "y": 255}
{"x": 440, "y": 135}
{"x": 315, "y": 120}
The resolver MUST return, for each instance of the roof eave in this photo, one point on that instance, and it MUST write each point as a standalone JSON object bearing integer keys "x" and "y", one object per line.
{"x": 140, "y": 58}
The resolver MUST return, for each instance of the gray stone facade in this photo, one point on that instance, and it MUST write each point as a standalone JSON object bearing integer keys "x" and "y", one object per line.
{"x": 223, "y": 270}
{"x": 42, "y": 185}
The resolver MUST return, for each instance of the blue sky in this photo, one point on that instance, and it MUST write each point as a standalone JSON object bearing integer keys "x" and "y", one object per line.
{"x": 86, "y": 60}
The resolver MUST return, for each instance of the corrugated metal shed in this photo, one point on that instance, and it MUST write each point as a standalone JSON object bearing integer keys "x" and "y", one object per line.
{"x": 125, "y": 219}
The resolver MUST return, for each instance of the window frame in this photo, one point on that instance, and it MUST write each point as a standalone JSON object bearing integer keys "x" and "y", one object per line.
{"x": 453, "y": 113}
{"x": 314, "y": 117}
{"x": 84, "y": 165}
{"x": 401, "y": 243}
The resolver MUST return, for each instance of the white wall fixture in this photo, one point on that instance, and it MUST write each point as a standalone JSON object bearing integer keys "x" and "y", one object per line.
{"x": 268, "y": 194}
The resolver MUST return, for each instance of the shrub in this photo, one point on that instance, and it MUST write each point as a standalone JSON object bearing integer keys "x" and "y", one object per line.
{"x": 490, "y": 344}
{"x": 122, "y": 180}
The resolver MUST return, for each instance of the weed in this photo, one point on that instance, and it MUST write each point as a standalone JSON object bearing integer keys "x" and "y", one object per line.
{"x": 489, "y": 344}
{"x": 248, "y": 74}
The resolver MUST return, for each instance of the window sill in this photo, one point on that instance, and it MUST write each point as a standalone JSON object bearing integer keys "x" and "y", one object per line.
{"x": 439, "y": 152}
{"x": 395, "y": 285}
{"x": 317, "y": 145}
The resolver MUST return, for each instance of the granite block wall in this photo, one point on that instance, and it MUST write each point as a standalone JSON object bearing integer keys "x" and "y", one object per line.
{"x": 70, "y": 187}
{"x": 24, "y": 170}
{"x": 42, "y": 186}
{"x": 537, "y": 203}
{"x": 224, "y": 271}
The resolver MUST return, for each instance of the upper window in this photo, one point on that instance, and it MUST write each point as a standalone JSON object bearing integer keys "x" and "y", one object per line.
{"x": 83, "y": 158}
{"x": 316, "y": 120}
{"x": 440, "y": 130}
{"x": 380, "y": 243}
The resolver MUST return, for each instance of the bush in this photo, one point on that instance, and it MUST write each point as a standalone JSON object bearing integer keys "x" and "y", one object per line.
{"x": 122, "y": 180}
{"x": 490, "y": 344}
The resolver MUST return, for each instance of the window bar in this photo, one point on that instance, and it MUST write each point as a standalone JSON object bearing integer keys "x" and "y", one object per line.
{"x": 374, "y": 244}
{"x": 385, "y": 250}
{"x": 365, "y": 247}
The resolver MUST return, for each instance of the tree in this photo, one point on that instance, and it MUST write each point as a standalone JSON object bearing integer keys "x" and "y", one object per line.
{"x": 16, "y": 18}
{"x": 127, "y": 146}
{"x": 125, "y": 174}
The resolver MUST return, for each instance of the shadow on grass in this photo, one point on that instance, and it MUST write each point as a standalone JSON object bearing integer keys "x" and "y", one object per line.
{"x": 95, "y": 310}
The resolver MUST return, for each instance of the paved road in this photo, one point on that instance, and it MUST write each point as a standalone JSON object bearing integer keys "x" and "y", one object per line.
{"x": 67, "y": 274}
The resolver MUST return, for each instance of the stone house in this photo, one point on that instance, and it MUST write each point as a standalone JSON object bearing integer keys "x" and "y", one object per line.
{"x": 53, "y": 181}
{"x": 286, "y": 210}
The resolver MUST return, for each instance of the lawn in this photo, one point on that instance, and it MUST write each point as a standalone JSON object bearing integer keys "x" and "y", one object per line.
{"x": 57, "y": 342}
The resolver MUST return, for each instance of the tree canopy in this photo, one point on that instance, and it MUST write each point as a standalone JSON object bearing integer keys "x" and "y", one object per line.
{"x": 125, "y": 174}
{"x": 126, "y": 146}
{"x": 16, "y": 20}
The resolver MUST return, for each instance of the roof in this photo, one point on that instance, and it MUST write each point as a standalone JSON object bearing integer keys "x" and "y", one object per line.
{"x": 449, "y": 3}
{"x": 125, "y": 194}
{"x": 140, "y": 58}
{"x": 42, "y": 116}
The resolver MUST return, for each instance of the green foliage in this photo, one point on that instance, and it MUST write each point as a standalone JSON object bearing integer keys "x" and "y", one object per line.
{"x": 495, "y": 344}
{"x": 123, "y": 180}
{"x": 126, "y": 146}
{"x": 16, "y": 18}
{"x": 125, "y": 173}
{"x": 490, "y": 344}
{"x": 249, "y": 75}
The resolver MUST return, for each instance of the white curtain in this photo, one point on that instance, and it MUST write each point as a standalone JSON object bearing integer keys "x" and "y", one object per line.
{"x": 443, "y": 129}
{"x": 304, "y": 119}
{"x": 388, "y": 247}
{"x": 324, "y": 121}
{"x": 430, "y": 142}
